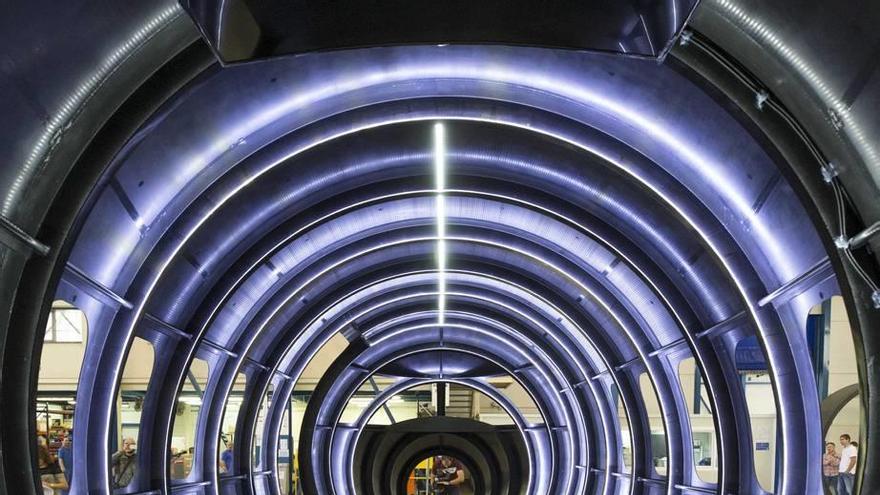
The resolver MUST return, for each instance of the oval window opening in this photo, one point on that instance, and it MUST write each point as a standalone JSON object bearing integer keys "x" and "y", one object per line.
{"x": 64, "y": 345}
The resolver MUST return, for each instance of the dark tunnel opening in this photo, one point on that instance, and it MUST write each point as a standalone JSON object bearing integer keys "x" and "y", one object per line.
{"x": 267, "y": 260}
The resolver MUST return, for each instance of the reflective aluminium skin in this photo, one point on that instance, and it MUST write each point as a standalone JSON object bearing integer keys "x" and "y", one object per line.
{"x": 606, "y": 217}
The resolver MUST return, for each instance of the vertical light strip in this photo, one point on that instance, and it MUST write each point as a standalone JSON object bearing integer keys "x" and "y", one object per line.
{"x": 440, "y": 185}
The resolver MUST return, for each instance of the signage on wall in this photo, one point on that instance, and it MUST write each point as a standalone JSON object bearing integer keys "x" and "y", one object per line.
{"x": 762, "y": 445}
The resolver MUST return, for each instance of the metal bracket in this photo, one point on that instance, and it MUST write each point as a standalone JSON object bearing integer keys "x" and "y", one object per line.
{"x": 731, "y": 323}
{"x": 256, "y": 364}
{"x": 167, "y": 328}
{"x": 96, "y": 289}
{"x": 686, "y": 37}
{"x": 829, "y": 172}
{"x": 283, "y": 375}
{"x": 864, "y": 236}
{"x": 15, "y": 238}
{"x": 812, "y": 277}
{"x": 210, "y": 344}
{"x": 761, "y": 97}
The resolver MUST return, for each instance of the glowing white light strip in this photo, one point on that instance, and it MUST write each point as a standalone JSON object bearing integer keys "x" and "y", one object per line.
{"x": 440, "y": 183}
{"x": 440, "y": 156}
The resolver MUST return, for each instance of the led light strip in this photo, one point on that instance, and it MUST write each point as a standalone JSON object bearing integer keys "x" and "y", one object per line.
{"x": 440, "y": 184}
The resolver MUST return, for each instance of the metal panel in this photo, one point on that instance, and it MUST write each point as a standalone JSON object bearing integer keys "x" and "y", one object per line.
{"x": 242, "y": 30}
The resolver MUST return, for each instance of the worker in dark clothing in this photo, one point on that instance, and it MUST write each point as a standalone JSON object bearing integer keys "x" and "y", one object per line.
{"x": 448, "y": 476}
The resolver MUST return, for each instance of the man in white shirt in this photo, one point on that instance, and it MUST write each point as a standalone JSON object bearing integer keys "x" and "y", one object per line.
{"x": 847, "y": 468}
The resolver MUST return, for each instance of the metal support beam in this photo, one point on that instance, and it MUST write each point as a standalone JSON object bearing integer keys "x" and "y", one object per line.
{"x": 220, "y": 348}
{"x": 283, "y": 375}
{"x": 815, "y": 275}
{"x": 864, "y": 236}
{"x": 126, "y": 203}
{"x": 384, "y": 405}
{"x": 253, "y": 362}
{"x": 15, "y": 238}
{"x": 652, "y": 481}
{"x": 822, "y": 378}
{"x": 817, "y": 333}
{"x": 441, "y": 399}
{"x": 290, "y": 486}
{"x": 582, "y": 383}
{"x": 626, "y": 364}
{"x": 668, "y": 347}
{"x": 600, "y": 374}
{"x": 535, "y": 428}
{"x": 195, "y": 384}
{"x": 226, "y": 478}
{"x": 359, "y": 368}
{"x": 523, "y": 368}
{"x": 696, "y": 489}
{"x": 96, "y": 289}
{"x": 725, "y": 326}
{"x": 187, "y": 487}
{"x": 167, "y": 328}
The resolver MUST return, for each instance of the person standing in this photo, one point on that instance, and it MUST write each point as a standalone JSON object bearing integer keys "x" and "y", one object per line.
{"x": 50, "y": 472}
{"x": 228, "y": 458}
{"x": 830, "y": 463}
{"x": 846, "y": 470}
{"x": 124, "y": 464}
{"x": 448, "y": 476}
{"x": 65, "y": 461}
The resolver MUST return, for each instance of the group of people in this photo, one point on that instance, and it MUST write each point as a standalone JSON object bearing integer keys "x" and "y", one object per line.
{"x": 839, "y": 469}
{"x": 56, "y": 472}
